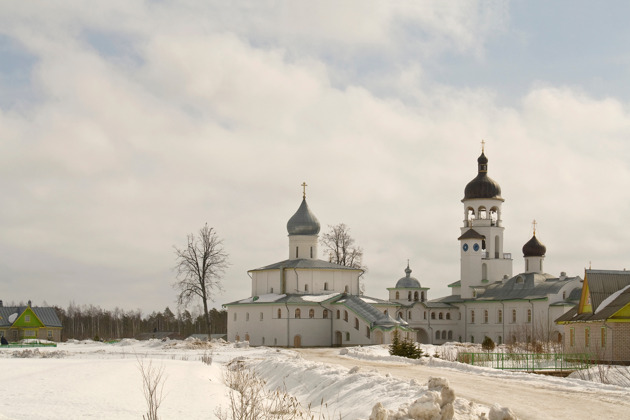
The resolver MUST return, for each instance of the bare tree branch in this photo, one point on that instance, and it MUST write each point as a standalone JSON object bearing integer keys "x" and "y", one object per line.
{"x": 340, "y": 247}
{"x": 199, "y": 269}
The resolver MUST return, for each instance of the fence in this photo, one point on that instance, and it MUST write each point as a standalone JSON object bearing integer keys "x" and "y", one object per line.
{"x": 21, "y": 345}
{"x": 528, "y": 362}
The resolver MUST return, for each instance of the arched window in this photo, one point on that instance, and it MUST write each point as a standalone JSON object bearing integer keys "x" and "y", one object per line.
{"x": 500, "y": 316}
{"x": 421, "y": 296}
{"x": 441, "y": 315}
{"x": 448, "y": 315}
{"x": 500, "y": 340}
{"x": 472, "y": 339}
{"x": 415, "y": 296}
{"x": 497, "y": 246}
{"x": 472, "y": 317}
{"x": 279, "y": 313}
{"x": 485, "y": 316}
{"x": 247, "y": 316}
{"x": 397, "y": 295}
{"x": 482, "y": 212}
{"x": 513, "y": 316}
{"x": 494, "y": 215}
{"x": 367, "y": 331}
{"x": 432, "y": 315}
{"x": 345, "y": 316}
{"x": 325, "y": 314}
{"x": 298, "y": 313}
{"x": 529, "y": 316}
{"x": 306, "y": 287}
{"x": 425, "y": 314}
{"x": 409, "y": 315}
{"x": 444, "y": 335}
{"x": 261, "y": 316}
{"x": 326, "y": 286}
{"x": 347, "y": 336}
{"x": 345, "y": 289}
{"x": 356, "y": 323}
{"x": 409, "y": 296}
{"x": 263, "y": 341}
{"x": 450, "y": 335}
{"x": 338, "y": 314}
{"x": 271, "y": 290}
{"x": 311, "y": 313}
{"x": 400, "y": 315}
{"x": 437, "y": 335}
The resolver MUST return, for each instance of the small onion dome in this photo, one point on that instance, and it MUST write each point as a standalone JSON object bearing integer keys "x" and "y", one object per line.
{"x": 407, "y": 282}
{"x": 303, "y": 222}
{"x": 534, "y": 248}
{"x": 482, "y": 186}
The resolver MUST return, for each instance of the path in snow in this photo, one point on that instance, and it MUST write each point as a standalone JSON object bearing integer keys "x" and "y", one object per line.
{"x": 529, "y": 399}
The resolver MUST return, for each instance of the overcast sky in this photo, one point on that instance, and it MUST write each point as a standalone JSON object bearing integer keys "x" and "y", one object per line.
{"x": 125, "y": 125}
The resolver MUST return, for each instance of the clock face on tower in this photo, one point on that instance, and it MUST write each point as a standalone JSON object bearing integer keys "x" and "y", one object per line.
{"x": 476, "y": 247}
{"x": 465, "y": 247}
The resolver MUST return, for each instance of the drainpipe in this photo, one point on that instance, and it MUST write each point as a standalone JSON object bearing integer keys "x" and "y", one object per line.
{"x": 465, "y": 322}
{"x": 430, "y": 329}
{"x": 503, "y": 319}
{"x": 533, "y": 335}
{"x": 297, "y": 279}
{"x": 288, "y": 324}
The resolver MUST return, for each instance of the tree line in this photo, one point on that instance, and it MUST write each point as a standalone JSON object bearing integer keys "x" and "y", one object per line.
{"x": 82, "y": 322}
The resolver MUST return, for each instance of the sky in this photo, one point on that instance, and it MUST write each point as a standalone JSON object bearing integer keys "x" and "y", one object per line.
{"x": 127, "y": 125}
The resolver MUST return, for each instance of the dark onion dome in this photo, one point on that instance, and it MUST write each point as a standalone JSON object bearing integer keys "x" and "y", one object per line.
{"x": 303, "y": 222}
{"x": 534, "y": 248}
{"x": 407, "y": 282}
{"x": 482, "y": 186}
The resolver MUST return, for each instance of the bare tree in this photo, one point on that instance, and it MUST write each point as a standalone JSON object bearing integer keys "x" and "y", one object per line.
{"x": 340, "y": 247}
{"x": 200, "y": 267}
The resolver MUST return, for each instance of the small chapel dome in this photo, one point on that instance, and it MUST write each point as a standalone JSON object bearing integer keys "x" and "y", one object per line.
{"x": 482, "y": 186}
{"x": 407, "y": 282}
{"x": 534, "y": 248}
{"x": 303, "y": 222}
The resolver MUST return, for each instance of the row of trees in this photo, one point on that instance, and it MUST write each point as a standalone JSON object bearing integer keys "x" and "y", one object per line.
{"x": 89, "y": 321}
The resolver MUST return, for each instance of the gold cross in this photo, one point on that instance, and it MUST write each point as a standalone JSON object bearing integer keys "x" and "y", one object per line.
{"x": 534, "y": 223}
{"x": 304, "y": 185}
{"x": 483, "y": 143}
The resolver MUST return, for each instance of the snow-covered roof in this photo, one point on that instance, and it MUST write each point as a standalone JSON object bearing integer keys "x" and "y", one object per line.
{"x": 305, "y": 263}
{"x": 525, "y": 286}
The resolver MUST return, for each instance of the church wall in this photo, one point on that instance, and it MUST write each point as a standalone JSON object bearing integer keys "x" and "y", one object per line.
{"x": 337, "y": 280}
{"x": 497, "y": 268}
{"x": 264, "y": 281}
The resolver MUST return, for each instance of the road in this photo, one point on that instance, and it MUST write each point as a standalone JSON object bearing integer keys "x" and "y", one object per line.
{"x": 533, "y": 399}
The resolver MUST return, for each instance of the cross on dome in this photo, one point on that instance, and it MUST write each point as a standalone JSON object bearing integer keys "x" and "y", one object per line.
{"x": 304, "y": 185}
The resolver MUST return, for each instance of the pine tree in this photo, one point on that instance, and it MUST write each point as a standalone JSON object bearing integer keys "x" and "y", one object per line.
{"x": 395, "y": 347}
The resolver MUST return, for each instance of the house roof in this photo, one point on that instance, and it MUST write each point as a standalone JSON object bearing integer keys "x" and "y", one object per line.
{"x": 610, "y": 292}
{"x": 305, "y": 263}
{"x": 47, "y": 315}
{"x": 524, "y": 286}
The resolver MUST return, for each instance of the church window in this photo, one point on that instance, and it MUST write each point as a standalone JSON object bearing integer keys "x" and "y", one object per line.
{"x": 325, "y": 314}
{"x": 261, "y": 316}
{"x": 444, "y": 335}
{"x": 482, "y": 212}
{"x": 603, "y": 337}
{"x": 347, "y": 336}
{"x": 345, "y": 316}
{"x": 448, "y": 315}
{"x": 298, "y": 313}
{"x": 271, "y": 290}
{"x": 472, "y": 317}
{"x": 397, "y": 295}
{"x": 519, "y": 279}
{"x": 306, "y": 287}
{"x": 425, "y": 314}
{"x": 326, "y": 286}
{"x": 564, "y": 295}
{"x": 437, "y": 335}
{"x": 409, "y": 296}
{"x": 311, "y": 313}
{"x": 513, "y": 316}
{"x": 367, "y": 331}
{"x": 450, "y": 334}
{"x": 356, "y": 323}
{"x": 296, "y": 251}
{"x": 409, "y": 315}
{"x": 587, "y": 337}
{"x": 263, "y": 341}
{"x": 472, "y": 339}
{"x": 485, "y": 316}
{"x": 441, "y": 315}
{"x": 421, "y": 296}
{"x": 338, "y": 314}
{"x": 572, "y": 337}
{"x": 497, "y": 248}
{"x": 499, "y": 316}
{"x": 526, "y": 264}
{"x": 400, "y": 315}
{"x": 500, "y": 340}
{"x": 279, "y": 313}
{"x": 432, "y": 315}
{"x": 247, "y": 316}
{"x": 311, "y": 252}
{"x": 415, "y": 296}
{"x": 345, "y": 289}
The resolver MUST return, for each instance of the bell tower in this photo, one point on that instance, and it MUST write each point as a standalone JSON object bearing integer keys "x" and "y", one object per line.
{"x": 481, "y": 242}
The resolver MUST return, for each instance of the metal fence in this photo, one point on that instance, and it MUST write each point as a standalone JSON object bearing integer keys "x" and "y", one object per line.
{"x": 528, "y": 362}
{"x": 18, "y": 345}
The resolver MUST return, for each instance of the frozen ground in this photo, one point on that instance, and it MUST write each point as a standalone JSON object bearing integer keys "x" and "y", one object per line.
{"x": 97, "y": 380}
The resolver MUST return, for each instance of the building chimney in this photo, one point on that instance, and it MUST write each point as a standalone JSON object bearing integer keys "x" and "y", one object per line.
{"x": 29, "y": 302}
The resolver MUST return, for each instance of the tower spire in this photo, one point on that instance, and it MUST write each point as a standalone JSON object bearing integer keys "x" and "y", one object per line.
{"x": 483, "y": 144}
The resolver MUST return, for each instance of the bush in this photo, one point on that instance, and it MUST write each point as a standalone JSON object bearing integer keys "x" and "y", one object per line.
{"x": 487, "y": 344}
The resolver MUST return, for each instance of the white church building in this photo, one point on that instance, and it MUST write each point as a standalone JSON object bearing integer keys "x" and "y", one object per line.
{"x": 305, "y": 301}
